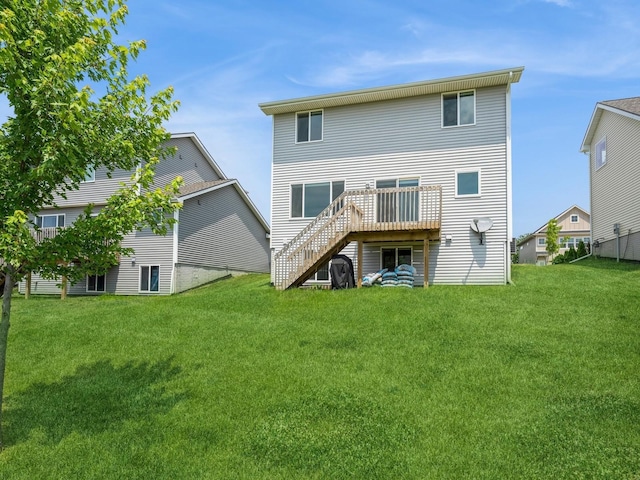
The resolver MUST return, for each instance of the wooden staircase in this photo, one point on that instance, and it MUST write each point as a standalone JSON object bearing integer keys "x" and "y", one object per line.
{"x": 376, "y": 214}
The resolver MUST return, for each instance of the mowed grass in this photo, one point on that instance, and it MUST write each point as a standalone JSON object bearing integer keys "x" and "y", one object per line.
{"x": 238, "y": 381}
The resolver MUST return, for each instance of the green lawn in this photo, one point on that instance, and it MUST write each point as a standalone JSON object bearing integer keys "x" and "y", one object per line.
{"x": 236, "y": 380}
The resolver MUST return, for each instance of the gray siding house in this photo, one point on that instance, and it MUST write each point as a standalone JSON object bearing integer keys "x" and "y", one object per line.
{"x": 612, "y": 142}
{"x": 219, "y": 231}
{"x": 574, "y": 225}
{"x": 394, "y": 175}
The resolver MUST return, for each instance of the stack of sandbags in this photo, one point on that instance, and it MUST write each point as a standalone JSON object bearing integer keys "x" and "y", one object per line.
{"x": 371, "y": 279}
{"x": 406, "y": 275}
{"x": 389, "y": 279}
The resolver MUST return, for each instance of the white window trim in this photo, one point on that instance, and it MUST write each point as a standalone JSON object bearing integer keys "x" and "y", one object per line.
{"x": 95, "y": 291}
{"x": 92, "y": 179}
{"x": 542, "y": 241}
{"x": 64, "y": 219}
{"x": 314, "y": 278}
{"x": 577, "y": 220}
{"x": 595, "y": 155}
{"x": 321, "y": 110}
{"x": 468, "y": 195}
{"x": 458, "y": 125}
{"x": 304, "y": 184}
{"x": 140, "y": 290}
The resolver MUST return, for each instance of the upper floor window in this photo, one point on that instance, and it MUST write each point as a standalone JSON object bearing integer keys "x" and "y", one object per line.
{"x": 90, "y": 175}
{"x": 50, "y": 221}
{"x": 309, "y": 199}
{"x": 309, "y": 126}
{"x": 542, "y": 241}
{"x": 467, "y": 183}
{"x": 458, "y": 108}
{"x": 574, "y": 218}
{"x": 601, "y": 153}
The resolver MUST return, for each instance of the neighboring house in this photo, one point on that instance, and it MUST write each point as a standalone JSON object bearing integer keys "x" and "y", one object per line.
{"x": 612, "y": 142}
{"x": 395, "y": 175}
{"x": 574, "y": 225}
{"x": 219, "y": 231}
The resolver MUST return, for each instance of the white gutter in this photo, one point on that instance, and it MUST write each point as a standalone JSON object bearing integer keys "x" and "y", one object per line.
{"x": 509, "y": 183}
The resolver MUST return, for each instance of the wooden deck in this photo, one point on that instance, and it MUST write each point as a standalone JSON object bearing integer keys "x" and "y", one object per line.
{"x": 371, "y": 215}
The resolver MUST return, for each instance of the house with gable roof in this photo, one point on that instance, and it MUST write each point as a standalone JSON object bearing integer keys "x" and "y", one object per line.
{"x": 574, "y": 224}
{"x": 219, "y": 231}
{"x": 612, "y": 144}
{"x": 403, "y": 174}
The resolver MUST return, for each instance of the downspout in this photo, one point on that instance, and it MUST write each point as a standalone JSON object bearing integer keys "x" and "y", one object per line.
{"x": 509, "y": 181}
{"x": 174, "y": 263}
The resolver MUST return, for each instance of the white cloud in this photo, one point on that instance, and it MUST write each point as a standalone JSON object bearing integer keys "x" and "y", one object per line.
{"x": 560, "y": 3}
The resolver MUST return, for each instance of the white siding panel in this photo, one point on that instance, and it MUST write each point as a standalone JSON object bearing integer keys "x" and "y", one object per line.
{"x": 460, "y": 261}
{"x": 188, "y": 162}
{"x": 219, "y": 230}
{"x": 392, "y": 127}
{"x": 614, "y": 187}
{"x": 97, "y": 191}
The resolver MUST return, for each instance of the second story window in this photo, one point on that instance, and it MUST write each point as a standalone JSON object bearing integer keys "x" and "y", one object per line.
{"x": 50, "y": 221}
{"x": 309, "y": 126}
{"x": 601, "y": 153}
{"x": 90, "y": 175}
{"x": 458, "y": 109}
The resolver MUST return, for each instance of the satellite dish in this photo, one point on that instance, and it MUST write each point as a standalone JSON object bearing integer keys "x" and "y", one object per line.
{"x": 481, "y": 225}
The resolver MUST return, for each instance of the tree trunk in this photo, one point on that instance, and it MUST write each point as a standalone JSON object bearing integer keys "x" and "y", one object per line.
{"x": 9, "y": 283}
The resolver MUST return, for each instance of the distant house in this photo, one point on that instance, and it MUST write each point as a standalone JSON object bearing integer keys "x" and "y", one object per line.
{"x": 574, "y": 225}
{"x": 612, "y": 142}
{"x": 219, "y": 231}
{"x": 394, "y": 175}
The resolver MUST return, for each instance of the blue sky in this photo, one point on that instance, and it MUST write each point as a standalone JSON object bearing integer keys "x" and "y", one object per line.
{"x": 224, "y": 57}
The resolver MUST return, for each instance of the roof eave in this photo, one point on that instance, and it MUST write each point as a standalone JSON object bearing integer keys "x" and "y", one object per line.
{"x": 478, "y": 80}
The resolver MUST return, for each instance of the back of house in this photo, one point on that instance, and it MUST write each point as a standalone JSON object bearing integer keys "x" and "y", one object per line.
{"x": 385, "y": 175}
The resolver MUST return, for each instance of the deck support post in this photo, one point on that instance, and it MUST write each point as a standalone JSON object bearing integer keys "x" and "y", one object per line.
{"x": 359, "y": 282}
{"x": 425, "y": 251}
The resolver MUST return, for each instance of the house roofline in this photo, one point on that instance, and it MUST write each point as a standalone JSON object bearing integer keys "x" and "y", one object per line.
{"x": 595, "y": 119}
{"x": 464, "y": 82}
{"x": 557, "y": 217}
{"x": 203, "y": 150}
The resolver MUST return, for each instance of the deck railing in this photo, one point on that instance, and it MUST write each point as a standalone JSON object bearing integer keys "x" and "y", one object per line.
{"x": 355, "y": 211}
{"x": 42, "y": 233}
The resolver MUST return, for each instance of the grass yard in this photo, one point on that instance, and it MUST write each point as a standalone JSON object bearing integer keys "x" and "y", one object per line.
{"x": 238, "y": 381}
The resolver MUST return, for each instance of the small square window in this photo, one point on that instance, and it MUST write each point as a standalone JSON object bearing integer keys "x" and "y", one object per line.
{"x": 574, "y": 218}
{"x": 467, "y": 183}
{"x": 542, "y": 241}
{"x": 90, "y": 175}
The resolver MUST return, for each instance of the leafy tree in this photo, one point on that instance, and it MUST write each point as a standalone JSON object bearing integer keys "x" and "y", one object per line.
{"x": 552, "y": 237}
{"x": 74, "y": 108}
{"x": 582, "y": 249}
